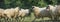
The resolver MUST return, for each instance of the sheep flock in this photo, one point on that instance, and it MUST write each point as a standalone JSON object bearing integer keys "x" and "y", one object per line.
{"x": 50, "y": 11}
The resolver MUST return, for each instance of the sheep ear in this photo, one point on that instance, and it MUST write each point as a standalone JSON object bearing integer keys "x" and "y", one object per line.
{"x": 47, "y": 7}
{"x": 32, "y": 7}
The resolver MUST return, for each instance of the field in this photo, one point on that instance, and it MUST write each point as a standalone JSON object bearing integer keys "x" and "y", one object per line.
{"x": 28, "y": 19}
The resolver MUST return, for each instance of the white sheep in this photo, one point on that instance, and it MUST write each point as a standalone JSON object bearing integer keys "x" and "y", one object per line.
{"x": 16, "y": 12}
{"x": 58, "y": 11}
{"x": 2, "y": 13}
{"x": 41, "y": 12}
{"x": 9, "y": 12}
{"x": 53, "y": 11}
{"x": 13, "y": 12}
{"x": 20, "y": 12}
{"x": 23, "y": 13}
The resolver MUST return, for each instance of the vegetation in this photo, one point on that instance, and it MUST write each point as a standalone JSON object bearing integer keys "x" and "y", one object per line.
{"x": 26, "y": 3}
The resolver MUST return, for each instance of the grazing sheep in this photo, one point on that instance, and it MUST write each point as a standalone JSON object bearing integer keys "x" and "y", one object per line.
{"x": 41, "y": 12}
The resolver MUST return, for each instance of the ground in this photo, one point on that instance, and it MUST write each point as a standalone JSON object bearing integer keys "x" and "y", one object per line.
{"x": 27, "y": 19}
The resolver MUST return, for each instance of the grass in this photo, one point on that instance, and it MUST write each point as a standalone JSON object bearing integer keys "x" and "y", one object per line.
{"x": 27, "y": 19}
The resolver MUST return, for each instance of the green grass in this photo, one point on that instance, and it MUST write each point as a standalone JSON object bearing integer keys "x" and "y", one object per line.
{"x": 27, "y": 19}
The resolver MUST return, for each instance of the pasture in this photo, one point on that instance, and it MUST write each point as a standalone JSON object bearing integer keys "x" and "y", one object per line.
{"x": 29, "y": 19}
{"x": 19, "y": 10}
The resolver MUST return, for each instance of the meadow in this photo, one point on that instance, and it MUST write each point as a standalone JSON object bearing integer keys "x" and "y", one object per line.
{"x": 29, "y": 19}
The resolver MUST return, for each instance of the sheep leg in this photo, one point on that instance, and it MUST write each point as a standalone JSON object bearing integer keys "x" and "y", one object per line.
{"x": 15, "y": 16}
{"x": 42, "y": 18}
{"x": 56, "y": 18}
{"x": 8, "y": 16}
{"x": 50, "y": 17}
{"x": 34, "y": 19}
{"x": 53, "y": 17}
{"x": 22, "y": 19}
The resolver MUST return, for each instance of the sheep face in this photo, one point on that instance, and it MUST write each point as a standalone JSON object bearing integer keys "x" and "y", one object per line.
{"x": 35, "y": 8}
{"x": 17, "y": 9}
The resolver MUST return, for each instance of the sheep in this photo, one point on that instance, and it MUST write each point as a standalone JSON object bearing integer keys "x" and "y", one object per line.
{"x": 16, "y": 12}
{"x": 2, "y": 13}
{"x": 53, "y": 11}
{"x": 23, "y": 13}
{"x": 9, "y": 12}
{"x": 58, "y": 11}
{"x": 20, "y": 12}
{"x": 41, "y": 12}
{"x": 13, "y": 12}
{"x": 36, "y": 11}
